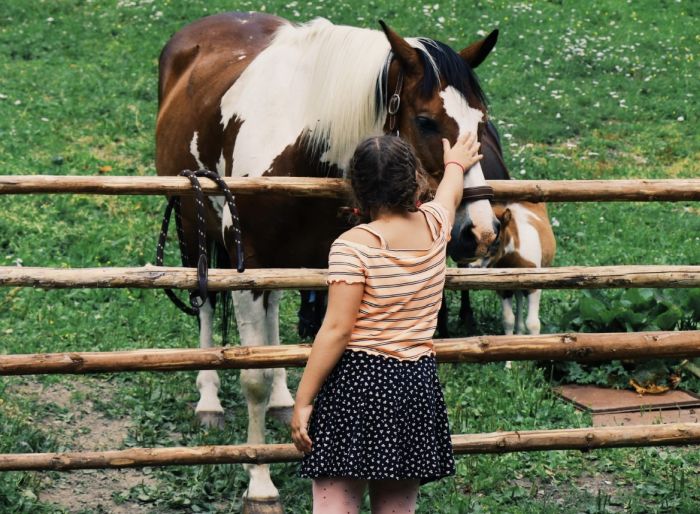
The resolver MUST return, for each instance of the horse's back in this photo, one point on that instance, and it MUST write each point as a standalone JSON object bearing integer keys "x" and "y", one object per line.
{"x": 197, "y": 66}
{"x": 544, "y": 230}
{"x": 217, "y": 44}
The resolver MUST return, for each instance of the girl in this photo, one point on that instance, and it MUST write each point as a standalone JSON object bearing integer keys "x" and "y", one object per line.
{"x": 379, "y": 418}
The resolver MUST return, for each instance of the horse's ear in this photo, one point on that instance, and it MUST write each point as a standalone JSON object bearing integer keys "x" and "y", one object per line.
{"x": 405, "y": 53}
{"x": 505, "y": 218}
{"x": 475, "y": 53}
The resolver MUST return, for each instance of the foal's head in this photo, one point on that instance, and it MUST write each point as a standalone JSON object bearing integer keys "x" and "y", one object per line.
{"x": 440, "y": 97}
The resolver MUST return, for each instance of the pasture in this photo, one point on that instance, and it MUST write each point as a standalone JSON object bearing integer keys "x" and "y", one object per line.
{"x": 578, "y": 91}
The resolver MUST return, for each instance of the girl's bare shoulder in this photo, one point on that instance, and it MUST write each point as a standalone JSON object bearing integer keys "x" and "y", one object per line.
{"x": 360, "y": 236}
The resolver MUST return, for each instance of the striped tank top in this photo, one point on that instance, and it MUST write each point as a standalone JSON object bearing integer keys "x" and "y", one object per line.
{"x": 402, "y": 293}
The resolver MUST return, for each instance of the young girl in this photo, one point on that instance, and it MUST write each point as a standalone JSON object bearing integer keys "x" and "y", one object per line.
{"x": 379, "y": 418}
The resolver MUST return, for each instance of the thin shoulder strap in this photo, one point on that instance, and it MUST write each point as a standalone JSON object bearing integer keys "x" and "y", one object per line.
{"x": 432, "y": 221}
{"x": 369, "y": 229}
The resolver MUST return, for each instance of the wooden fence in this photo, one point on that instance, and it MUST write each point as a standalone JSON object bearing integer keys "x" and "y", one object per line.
{"x": 580, "y": 347}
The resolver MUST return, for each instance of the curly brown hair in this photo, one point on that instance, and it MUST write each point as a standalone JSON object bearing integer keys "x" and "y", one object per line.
{"x": 385, "y": 174}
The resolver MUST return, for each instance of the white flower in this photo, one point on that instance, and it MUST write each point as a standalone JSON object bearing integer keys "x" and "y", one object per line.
{"x": 680, "y": 118}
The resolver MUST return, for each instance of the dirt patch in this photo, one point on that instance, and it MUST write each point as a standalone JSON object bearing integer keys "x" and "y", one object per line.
{"x": 595, "y": 486}
{"x": 77, "y": 426}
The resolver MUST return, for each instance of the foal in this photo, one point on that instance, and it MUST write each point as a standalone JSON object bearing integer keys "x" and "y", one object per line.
{"x": 526, "y": 241}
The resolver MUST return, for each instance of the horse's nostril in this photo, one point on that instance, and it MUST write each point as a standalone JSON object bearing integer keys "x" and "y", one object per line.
{"x": 496, "y": 227}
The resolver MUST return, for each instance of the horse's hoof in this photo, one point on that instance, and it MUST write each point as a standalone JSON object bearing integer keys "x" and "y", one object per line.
{"x": 211, "y": 419}
{"x": 272, "y": 506}
{"x": 281, "y": 414}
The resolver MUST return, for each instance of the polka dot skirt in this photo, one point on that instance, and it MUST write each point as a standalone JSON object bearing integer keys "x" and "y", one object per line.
{"x": 378, "y": 418}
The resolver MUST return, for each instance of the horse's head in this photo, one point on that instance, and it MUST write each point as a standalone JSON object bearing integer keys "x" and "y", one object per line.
{"x": 439, "y": 97}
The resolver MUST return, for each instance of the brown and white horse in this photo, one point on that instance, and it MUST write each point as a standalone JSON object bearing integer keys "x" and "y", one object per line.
{"x": 526, "y": 241}
{"x": 251, "y": 95}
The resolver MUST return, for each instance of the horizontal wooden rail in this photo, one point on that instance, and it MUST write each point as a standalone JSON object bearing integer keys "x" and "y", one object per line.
{"x": 496, "y": 442}
{"x": 578, "y": 347}
{"x": 154, "y": 277}
{"x": 532, "y": 190}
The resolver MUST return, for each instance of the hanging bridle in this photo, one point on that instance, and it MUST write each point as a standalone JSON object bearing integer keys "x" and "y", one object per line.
{"x": 394, "y": 103}
{"x": 200, "y": 220}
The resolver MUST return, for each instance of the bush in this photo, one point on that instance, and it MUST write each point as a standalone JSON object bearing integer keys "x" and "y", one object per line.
{"x": 630, "y": 310}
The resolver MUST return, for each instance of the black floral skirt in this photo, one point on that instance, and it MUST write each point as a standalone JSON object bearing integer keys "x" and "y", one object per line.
{"x": 379, "y": 418}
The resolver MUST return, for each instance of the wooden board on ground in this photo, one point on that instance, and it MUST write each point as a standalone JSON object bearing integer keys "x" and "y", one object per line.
{"x": 596, "y": 399}
{"x": 649, "y": 417}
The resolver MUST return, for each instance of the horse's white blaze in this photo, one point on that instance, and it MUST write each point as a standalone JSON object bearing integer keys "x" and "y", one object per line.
{"x": 284, "y": 93}
{"x": 530, "y": 244}
{"x": 468, "y": 119}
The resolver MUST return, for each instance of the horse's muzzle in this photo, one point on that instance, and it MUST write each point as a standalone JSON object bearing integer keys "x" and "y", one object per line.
{"x": 469, "y": 244}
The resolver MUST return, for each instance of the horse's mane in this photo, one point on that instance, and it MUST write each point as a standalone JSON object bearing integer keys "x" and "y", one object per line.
{"x": 345, "y": 72}
{"x": 449, "y": 65}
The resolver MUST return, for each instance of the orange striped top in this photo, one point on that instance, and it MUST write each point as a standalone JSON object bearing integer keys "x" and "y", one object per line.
{"x": 403, "y": 290}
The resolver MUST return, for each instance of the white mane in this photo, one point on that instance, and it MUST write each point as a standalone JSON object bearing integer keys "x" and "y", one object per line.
{"x": 317, "y": 81}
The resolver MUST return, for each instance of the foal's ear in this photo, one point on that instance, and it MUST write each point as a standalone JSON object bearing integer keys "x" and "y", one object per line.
{"x": 505, "y": 218}
{"x": 475, "y": 53}
{"x": 405, "y": 53}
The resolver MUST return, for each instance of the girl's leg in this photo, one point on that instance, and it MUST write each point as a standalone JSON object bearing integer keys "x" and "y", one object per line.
{"x": 337, "y": 495}
{"x": 393, "y": 496}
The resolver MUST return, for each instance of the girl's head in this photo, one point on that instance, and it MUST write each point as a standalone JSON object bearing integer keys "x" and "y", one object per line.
{"x": 385, "y": 175}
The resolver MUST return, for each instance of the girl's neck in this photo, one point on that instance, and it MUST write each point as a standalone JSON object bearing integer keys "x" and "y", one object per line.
{"x": 388, "y": 215}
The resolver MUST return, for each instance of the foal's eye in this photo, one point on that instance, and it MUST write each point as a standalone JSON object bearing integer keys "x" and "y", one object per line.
{"x": 427, "y": 125}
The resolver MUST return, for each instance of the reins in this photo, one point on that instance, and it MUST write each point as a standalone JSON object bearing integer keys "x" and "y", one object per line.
{"x": 202, "y": 261}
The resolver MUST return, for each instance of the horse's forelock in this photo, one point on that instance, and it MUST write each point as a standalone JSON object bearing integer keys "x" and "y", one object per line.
{"x": 442, "y": 63}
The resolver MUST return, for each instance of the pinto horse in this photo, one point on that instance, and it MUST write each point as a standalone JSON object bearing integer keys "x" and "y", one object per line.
{"x": 251, "y": 95}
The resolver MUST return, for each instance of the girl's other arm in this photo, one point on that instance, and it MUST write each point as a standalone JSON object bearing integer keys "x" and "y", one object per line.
{"x": 343, "y": 305}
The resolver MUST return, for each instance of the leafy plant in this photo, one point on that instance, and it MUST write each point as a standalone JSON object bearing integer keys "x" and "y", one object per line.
{"x": 630, "y": 310}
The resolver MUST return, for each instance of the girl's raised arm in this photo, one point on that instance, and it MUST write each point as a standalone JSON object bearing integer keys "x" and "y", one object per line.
{"x": 458, "y": 159}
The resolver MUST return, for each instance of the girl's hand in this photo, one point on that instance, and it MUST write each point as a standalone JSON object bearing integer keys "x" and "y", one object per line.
{"x": 465, "y": 151}
{"x": 300, "y": 423}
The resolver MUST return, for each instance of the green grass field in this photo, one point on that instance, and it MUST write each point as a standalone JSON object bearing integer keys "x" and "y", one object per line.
{"x": 590, "y": 90}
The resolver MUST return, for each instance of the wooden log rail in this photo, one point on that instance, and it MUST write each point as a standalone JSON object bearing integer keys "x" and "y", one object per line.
{"x": 532, "y": 190}
{"x": 154, "y": 277}
{"x": 578, "y": 347}
{"x": 583, "y": 439}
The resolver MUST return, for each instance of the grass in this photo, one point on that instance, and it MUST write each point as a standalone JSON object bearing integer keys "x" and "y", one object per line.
{"x": 579, "y": 91}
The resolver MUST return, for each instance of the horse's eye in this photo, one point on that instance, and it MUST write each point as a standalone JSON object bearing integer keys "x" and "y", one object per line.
{"x": 427, "y": 125}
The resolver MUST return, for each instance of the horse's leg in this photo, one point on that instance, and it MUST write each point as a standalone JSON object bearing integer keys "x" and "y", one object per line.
{"x": 209, "y": 410}
{"x": 466, "y": 314}
{"x": 281, "y": 402}
{"x": 250, "y": 311}
{"x": 442, "y": 317}
{"x": 508, "y": 316}
{"x": 533, "y": 311}
{"x": 312, "y": 309}
{"x": 520, "y": 312}
{"x": 508, "y": 313}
